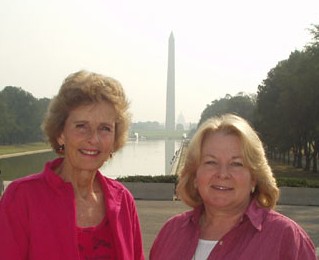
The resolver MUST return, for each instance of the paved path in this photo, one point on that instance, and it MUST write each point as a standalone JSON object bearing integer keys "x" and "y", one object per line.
{"x": 24, "y": 153}
{"x": 153, "y": 214}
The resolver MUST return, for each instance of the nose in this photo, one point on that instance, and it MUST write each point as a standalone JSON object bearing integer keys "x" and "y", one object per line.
{"x": 93, "y": 136}
{"x": 223, "y": 172}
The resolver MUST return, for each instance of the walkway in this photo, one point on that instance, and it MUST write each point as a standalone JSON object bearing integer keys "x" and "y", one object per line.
{"x": 153, "y": 214}
{"x": 180, "y": 157}
{"x": 24, "y": 153}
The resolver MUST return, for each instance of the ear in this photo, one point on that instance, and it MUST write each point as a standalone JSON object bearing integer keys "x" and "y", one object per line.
{"x": 253, "y": 182}
{"x": 61, "y": 139}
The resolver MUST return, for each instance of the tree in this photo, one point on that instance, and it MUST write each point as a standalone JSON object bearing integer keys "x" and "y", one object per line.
{"x": 241, "y": 104}
{"x": 21, "y": 116}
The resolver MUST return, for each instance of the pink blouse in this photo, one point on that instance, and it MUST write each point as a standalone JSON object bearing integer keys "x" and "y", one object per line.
{"x": 96, "y": 242}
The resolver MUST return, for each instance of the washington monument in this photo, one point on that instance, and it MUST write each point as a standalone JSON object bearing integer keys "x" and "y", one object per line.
{"x": 170, "y": 93}
{"x": 170, "y": 104}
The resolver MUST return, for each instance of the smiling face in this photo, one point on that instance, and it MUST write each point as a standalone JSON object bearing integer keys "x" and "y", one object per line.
{"x": 88, "y": 136}
{"x": 222, "y": 180}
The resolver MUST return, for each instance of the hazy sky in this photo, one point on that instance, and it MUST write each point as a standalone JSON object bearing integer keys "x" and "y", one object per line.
{"x": 221, "y": 47}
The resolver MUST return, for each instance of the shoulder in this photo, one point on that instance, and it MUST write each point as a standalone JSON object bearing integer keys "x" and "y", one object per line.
{"x": 292, "y": 238}
{"x": 26, "y": 183}
{"x": 287, "y": 229}
{"x": 20, "y": 192}
{"x": 178, "y": 231}
{"x": 115, "y": 189}
{"x": 270, "y": 219}
{"x": 278, "y": 220}
{"x": 113, "y": 184}
{"x": 179, "y": 222}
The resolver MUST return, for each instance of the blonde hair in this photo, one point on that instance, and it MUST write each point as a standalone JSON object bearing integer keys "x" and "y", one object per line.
{"x": 84, "y": 88}
{"x": 266, "y": 191}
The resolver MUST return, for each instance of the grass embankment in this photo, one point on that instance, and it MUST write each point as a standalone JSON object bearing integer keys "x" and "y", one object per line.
{"x": 290, "y": 176}
{"x": 19, "y": 148}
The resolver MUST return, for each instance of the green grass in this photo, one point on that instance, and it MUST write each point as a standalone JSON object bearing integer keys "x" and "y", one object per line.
{"x": 10, "y": 149}
{"x": 289, "y": 176}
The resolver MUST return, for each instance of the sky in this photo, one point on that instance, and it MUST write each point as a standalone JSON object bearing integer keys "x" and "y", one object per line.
{"x": 221, "y": 47}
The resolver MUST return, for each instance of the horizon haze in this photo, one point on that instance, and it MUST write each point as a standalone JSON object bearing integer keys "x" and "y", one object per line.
{"x": 220, "y": 47}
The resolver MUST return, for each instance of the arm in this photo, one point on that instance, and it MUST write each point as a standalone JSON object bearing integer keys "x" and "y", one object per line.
{"x": 138, "y": 242}
{"x": 13, "y": 238}
{"x": 297, "y": 245}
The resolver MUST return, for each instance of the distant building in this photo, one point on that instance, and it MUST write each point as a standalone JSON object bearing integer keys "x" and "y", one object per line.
{"x": 181, "y": 121}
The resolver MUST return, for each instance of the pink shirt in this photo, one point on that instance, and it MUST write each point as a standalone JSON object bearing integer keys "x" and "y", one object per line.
{"x": 262, "y": 234}
{"x": 96, "y": 242}
{"x": 37, "y": 218}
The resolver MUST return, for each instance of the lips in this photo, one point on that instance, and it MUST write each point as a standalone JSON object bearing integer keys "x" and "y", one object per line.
{"x": 90, "y": 152}
{"x": 221, "y": 188}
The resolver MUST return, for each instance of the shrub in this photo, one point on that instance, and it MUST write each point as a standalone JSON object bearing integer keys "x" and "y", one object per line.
{"x": 297, "y": 182}
{"x": 149, "y": 178}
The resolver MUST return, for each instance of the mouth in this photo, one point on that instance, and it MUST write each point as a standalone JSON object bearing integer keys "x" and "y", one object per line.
{"x": 89, "y": 152}
{"x": 221, "y": 188}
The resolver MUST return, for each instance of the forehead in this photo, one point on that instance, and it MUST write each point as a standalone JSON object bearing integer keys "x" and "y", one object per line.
{"x": 220, "y": 141}
{"x": 100, "y": 110}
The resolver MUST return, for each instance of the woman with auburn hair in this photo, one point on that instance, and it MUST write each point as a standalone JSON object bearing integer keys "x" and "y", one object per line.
{"x": 70, "y": 210}
{"x": 228, "y": 182}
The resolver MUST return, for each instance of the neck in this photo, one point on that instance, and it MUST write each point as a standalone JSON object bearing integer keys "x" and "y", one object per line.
{"x": 214, "y": 224}
{"x": 83, "y": 182}
{"x": 221, "y": 218}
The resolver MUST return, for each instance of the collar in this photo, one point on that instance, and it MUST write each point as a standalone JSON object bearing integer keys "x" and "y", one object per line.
{"x": 254, "y": 213}
{"x": 54, "y": 180}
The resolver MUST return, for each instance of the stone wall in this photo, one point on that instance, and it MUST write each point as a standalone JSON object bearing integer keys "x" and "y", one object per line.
{"x": 299, "y": 196}
{"x": 151, "y": 191}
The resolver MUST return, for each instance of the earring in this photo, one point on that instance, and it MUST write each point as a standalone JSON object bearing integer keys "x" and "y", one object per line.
{"x": 61, "y": 148}
{"x": 253, "y": 189}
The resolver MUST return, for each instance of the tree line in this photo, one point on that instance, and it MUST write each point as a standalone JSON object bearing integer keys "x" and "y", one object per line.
{"x": 285, "y": 109}
{"x": 21, "y": 116}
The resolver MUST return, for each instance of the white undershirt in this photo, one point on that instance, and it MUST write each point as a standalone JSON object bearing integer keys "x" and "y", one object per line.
{"x": 204, "y": 248}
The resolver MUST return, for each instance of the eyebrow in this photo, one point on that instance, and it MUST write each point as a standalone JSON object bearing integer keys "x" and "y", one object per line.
{"x": 213, "y": 156}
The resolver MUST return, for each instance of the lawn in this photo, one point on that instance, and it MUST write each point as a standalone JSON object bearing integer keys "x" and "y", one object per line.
{"x": 287, "y": 175}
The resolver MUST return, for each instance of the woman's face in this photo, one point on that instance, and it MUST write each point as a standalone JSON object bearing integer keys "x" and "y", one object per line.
{"x": 223, "y": 182}
{"x": 88, "y": 136}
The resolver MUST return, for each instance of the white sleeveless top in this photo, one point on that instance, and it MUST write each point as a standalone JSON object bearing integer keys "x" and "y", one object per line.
{"x": 204, "y": 248}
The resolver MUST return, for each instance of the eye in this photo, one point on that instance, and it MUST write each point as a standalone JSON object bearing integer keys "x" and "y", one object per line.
{"x": 237, "y": 164}
{"x": 210, "y": 162}
{"x": 79, "y": 125}
{"x": 82, "y": 127}
{"x": 106, "y": 128}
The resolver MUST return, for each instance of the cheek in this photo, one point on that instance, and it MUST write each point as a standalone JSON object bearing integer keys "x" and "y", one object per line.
{"x": 245, "y": 181}
{"x": 108, "y": 144}
{"x": 202, "y": 177}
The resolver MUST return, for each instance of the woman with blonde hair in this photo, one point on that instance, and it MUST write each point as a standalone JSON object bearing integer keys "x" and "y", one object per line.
{"x": 228, "y": 182}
